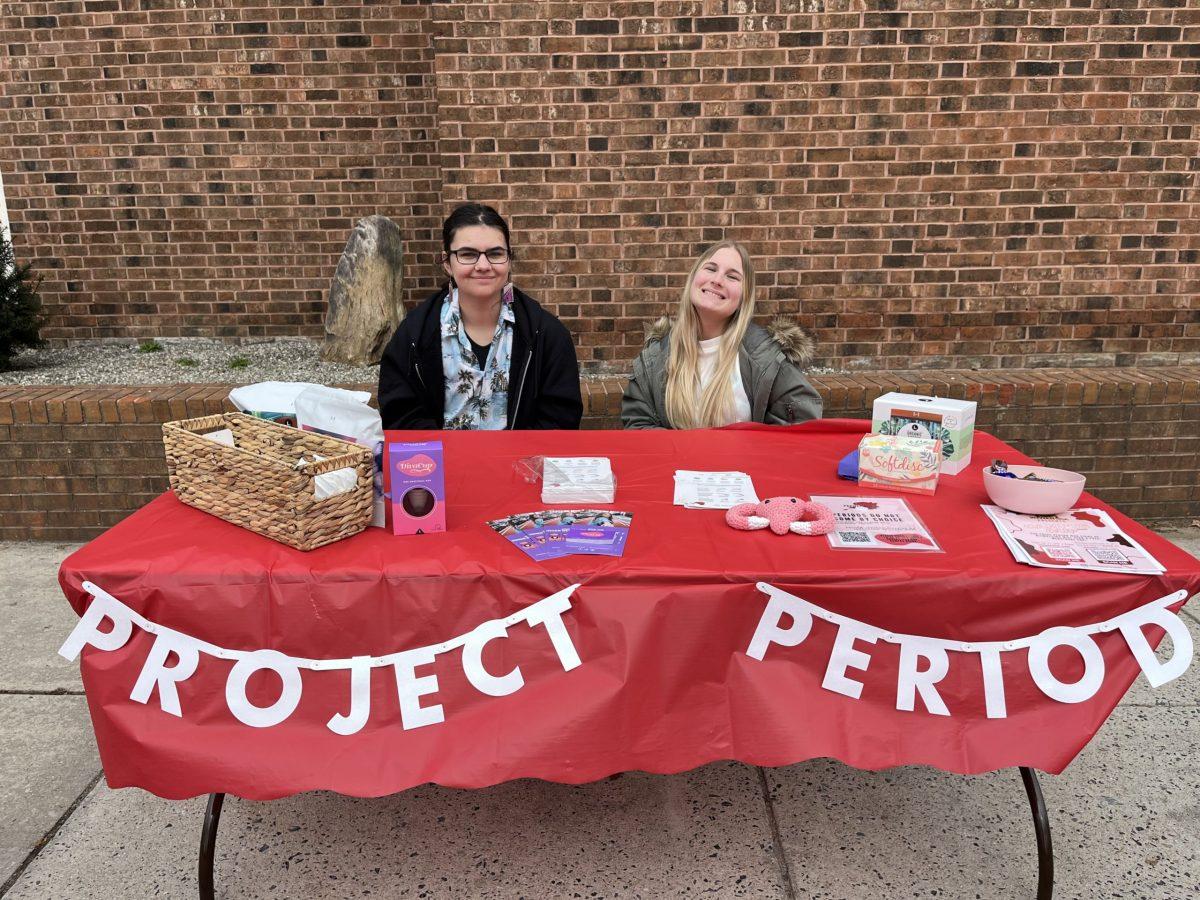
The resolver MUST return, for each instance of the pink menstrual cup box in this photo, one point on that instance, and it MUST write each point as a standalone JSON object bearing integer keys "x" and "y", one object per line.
{"x": 418, "y": 497}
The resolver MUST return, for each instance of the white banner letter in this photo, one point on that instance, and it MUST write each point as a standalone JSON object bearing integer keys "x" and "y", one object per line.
{"x": 86, "y": 632}
{"x": 1157, "y": 673}
{"x": 360, "y": 699}
{"x": 472, "y": 659}
{"x": 155, "y": 672}
{"x": 993, "y": 682}
{"x": 768, "y": 631}
{"x": 910, "y": 681}
{"x": 843, "y": 656}
{"x": 549, "y": 612}
{"x": 411, "y": 689}
{"x": 1085, "y": 688}
{"x": 239, "y": 675}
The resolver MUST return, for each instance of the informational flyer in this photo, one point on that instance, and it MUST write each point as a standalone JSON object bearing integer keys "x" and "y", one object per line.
{"x": 1077, "y": 539}
{"x": 604, "y": 535}
{"x": 712, "y": 490}
{"x": 553, "y": 533}
{"x": 876, "y": 523}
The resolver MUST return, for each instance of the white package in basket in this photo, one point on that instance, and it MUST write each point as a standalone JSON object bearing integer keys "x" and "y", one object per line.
{"x": 276, "y": 400}
{"x": 344, "y": 414}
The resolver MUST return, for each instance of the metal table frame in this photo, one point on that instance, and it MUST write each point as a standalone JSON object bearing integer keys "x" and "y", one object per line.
{"x": 1037, "y": 805}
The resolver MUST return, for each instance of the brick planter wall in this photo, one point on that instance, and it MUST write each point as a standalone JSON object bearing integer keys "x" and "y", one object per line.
{"x": 75, "y": 460}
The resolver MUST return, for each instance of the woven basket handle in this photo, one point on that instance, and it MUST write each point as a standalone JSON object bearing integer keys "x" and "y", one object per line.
{"x": 330, "y": 464}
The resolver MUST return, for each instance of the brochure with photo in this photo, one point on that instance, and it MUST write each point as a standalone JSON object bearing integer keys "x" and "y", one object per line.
{"x": 538, "y": 536}
{"x": 553, "y": 533}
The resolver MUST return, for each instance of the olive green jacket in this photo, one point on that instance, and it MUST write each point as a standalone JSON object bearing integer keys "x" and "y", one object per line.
{"x": 770, "y": 360}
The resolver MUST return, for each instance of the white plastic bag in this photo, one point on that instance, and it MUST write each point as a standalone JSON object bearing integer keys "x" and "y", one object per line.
{"x": 345, "y": 414}
{"x": 276, "y": 400}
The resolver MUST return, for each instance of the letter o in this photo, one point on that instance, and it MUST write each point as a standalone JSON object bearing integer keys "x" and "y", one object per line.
{"x": 263, "y": 716}
{"x": 1039, "y": 665}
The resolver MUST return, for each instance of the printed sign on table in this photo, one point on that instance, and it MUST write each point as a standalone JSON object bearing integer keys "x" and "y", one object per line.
{"x": 876, "y": 523}
{"x": 1077, "y": 539}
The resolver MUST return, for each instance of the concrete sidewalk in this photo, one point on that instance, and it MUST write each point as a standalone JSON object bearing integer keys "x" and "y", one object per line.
{"x": 1125, "y": 815}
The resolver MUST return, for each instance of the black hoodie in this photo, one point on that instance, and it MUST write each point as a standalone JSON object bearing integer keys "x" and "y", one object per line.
{"x": 543, "y": 375}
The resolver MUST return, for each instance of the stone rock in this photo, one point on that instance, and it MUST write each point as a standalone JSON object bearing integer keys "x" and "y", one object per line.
{"x": 364, "y": 298}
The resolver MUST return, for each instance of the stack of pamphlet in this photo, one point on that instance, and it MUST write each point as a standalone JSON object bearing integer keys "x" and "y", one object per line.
{"x": 1077, "y": 539}
{"x": 577, "y": 479}
{"x": 553, "y": 533}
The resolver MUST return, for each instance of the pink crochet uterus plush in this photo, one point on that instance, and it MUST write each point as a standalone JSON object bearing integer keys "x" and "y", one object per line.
{"x": 782, "y": 515}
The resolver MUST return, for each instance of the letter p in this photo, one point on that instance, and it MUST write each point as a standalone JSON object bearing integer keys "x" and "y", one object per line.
{"x": 769, "y": 631}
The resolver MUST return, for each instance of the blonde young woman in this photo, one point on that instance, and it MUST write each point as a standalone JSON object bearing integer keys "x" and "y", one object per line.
{"x": 711, "y": 365}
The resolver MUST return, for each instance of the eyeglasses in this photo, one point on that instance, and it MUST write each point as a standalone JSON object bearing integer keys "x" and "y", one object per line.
{"x": 468, "y": 256}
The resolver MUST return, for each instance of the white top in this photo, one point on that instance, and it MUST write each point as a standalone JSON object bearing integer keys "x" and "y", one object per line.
{"x": 708, "y": 361}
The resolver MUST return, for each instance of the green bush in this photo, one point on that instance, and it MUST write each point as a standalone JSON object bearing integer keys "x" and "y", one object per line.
{"x": 20, "y": 306}
{"x": 239, "y": 362}
{"x": 150, "y": 345}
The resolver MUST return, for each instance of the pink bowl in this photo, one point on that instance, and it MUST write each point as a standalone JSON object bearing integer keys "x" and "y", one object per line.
{"x": 1038, "y": 498}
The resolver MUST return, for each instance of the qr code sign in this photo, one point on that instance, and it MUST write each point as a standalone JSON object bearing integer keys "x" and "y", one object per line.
{"x": 855, "y": 537}
{"x": 1108, "y": 557}
{"x": 1066, "y": 554}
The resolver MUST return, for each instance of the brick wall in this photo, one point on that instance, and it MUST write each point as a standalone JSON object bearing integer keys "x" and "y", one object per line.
{"x": 957, "y": 184}
{"x": 74, "y": 461}
{"x": 196, "y": 168}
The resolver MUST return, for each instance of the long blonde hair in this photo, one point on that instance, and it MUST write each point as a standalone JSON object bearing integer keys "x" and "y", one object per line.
{"x": 683, "y": 360}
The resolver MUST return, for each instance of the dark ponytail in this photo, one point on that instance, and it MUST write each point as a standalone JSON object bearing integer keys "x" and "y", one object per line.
{"x": 474, "y": 214}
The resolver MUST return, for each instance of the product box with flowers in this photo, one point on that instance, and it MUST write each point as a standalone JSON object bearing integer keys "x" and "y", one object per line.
{"x": 895, "y": 463}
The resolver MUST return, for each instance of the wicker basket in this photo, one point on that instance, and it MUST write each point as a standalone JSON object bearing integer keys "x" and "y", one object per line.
{"x": 266, "y": 481}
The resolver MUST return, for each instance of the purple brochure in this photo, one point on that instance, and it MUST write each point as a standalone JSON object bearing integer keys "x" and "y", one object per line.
{"x": 526, "y": 532}
{"x": 606, "y": 535}
{"x": 538, "y": 546}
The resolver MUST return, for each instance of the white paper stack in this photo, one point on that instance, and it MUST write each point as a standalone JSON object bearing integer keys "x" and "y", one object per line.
{"x": 577, "y": 479}
{"x": 713, "y": 490}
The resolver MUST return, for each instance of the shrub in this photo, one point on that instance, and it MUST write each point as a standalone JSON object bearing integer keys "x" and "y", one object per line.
{"x": 150, "y": 345}
{"x": 186, "y": 362}
{"x": 239, "y": 362}
{"x": 20, "y": 306}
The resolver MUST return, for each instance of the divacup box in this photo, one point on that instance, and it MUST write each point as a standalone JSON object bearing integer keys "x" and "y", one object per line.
{"x": 418, "y": 497}
{"x": 894, "y": 463}
{"x": 911, "y": 415}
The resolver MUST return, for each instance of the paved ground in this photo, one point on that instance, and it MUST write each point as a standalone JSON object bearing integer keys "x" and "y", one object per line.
{"x": 1126, "y": 814}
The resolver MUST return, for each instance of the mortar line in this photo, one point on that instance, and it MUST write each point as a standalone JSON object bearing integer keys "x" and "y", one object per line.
{"x": 34, "y": 692}
{"x": 49, "y": 835}
{"x": 789, "y": 889}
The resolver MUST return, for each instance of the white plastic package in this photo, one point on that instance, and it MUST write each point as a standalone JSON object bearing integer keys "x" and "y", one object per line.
{"x": 577, "y": 479}
{"x": 346, "y": 415}
{"x": 276, "y": 400}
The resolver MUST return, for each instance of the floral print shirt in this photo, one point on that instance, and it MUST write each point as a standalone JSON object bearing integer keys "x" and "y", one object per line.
{"x": 476, "y": 399}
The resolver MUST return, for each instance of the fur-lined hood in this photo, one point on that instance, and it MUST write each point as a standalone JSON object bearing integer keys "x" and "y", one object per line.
{"x": 796, "y": 344}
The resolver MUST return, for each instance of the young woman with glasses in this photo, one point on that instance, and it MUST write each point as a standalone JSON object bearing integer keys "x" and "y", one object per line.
{"x": 712, "y": 365}
{"x": 479, "y": 354}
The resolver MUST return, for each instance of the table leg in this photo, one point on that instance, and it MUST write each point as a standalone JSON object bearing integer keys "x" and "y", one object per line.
{"x": 1041, "y": 827}
{"x": 208, "y": 843}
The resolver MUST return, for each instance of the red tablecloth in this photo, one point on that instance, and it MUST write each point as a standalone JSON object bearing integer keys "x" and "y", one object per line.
{"x": 665, "y": 683}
